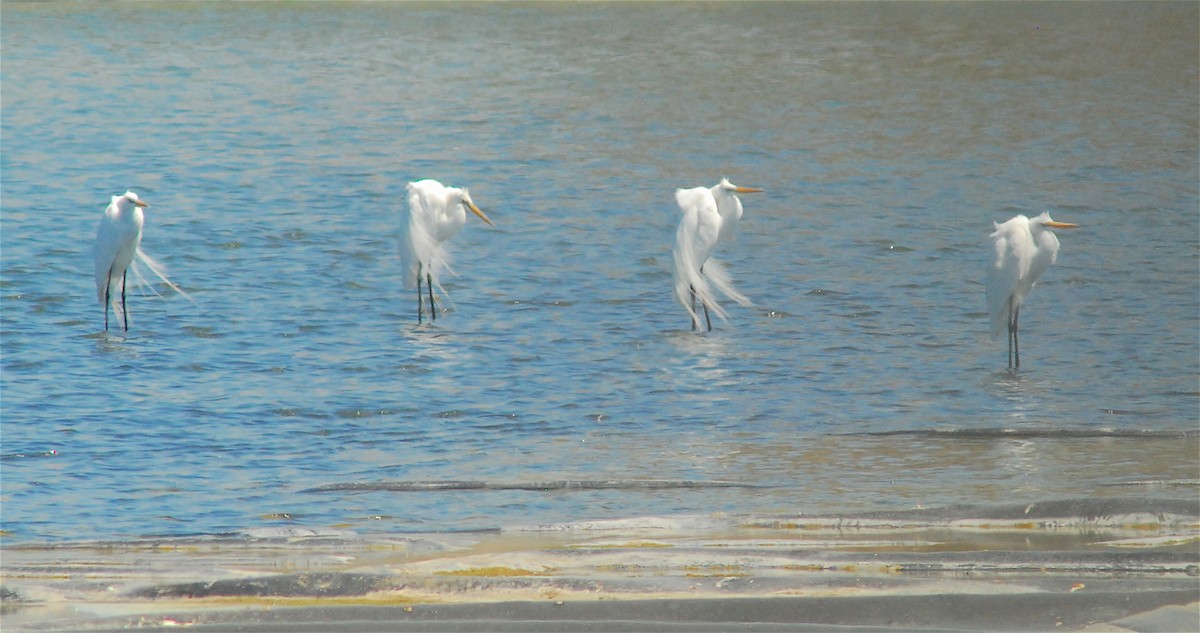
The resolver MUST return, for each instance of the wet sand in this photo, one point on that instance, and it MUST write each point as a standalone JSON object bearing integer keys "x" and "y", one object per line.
{"x": 892, "y": 613}
{"x": 1064, "y": 565}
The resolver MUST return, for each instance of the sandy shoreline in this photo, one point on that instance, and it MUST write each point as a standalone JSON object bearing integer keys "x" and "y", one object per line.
{"x": 1012, "y": 612}
{"x": 1064, "y": 565}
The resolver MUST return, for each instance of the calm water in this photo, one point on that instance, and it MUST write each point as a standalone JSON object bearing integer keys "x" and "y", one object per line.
{"x": 274, "y": 142}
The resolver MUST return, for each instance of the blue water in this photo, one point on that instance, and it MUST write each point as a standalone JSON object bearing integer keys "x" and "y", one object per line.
{"x": 274, "y": 142}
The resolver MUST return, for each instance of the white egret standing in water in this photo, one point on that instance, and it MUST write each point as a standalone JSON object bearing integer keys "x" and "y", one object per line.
{"x": 436, "y": 213}
{"x": 1024, "y": 249}
{"x": 709, "y": 215}
{"x": 118, "y": 244}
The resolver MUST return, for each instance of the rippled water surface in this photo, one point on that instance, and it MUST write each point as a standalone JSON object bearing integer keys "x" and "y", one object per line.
{"x": 274, "y": 142}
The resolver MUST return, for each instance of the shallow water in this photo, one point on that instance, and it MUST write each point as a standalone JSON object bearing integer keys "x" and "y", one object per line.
{"x": 274, "y": 141}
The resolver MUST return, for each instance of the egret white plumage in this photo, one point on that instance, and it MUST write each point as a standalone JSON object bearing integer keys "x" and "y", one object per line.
{"x": 118, "y": 248}
{"x": 436, "y": 213}
{"x": 710, "y": 214}
{"x": 1023, "y": 249}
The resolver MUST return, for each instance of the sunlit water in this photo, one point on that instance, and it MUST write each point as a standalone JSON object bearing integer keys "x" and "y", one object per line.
{"x": 274, "y": 142}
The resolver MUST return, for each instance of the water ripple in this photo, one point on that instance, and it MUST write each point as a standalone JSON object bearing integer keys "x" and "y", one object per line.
{"x": 274, "y": 142}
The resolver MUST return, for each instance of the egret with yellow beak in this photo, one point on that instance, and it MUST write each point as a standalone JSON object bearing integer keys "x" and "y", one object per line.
{"x": 709, "y": 215}
{"x": 436, "y": 213}
{"x": 1023, "y": 249}
{"x": 118, "y": 248}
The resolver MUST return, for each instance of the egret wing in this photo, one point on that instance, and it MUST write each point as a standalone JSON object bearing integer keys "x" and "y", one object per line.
{"x": 1012, "y": 254}
{"x": 698, "y": 232}
{"x": 104, "y": 251}
{"x": 421, "y": 251}
{"x": 699, "y": 228}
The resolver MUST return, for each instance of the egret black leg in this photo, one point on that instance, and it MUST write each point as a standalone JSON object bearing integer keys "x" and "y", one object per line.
{"x": 1015, "y": 341}
{"x": 429, "y": 286}
{"x": 107, "y": 297}
{"x": 124, "y": 310}
{"x": 692, "y": 289}
{"x": 1008, "y": 332}
{"x": 1008, "y": 337}
{"x": 420, "y": 308}
{"x": 706, "y": 319}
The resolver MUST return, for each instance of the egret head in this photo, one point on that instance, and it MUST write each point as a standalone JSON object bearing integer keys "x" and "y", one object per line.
{"x": 465, "y": 197}
{"x": 1043, "y": 221}
{"x": 729, "y": 187}
{"x": 132, "y": 198}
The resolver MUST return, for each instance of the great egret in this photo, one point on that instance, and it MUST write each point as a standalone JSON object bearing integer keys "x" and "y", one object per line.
{"x": 436, "y": 213}
{"x": 709, "y": 215}
{"x": 118, "y": 243}
{"x": 1024, "y": 249}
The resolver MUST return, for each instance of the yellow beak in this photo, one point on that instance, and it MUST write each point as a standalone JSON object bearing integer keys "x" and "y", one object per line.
{"x": 474, "y": 209}
{"x": 747, "y": 190}
{"x": 141, "y": 204}
{"x": 1061, "y": 225}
